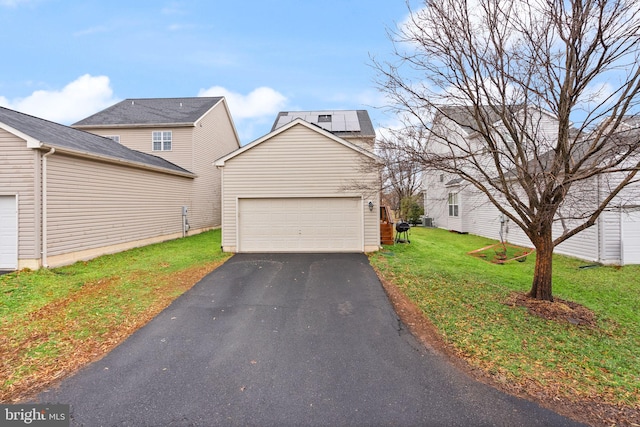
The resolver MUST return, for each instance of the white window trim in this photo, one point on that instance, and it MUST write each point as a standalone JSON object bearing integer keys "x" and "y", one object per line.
{"x": 454, "y": 203}
{"x": 162, "y": 140}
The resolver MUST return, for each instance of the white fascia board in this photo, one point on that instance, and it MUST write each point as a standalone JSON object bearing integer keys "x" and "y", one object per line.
{"x": 31, "y": 142}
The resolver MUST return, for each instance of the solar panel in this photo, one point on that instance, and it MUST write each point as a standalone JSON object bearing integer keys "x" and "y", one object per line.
{"x": 340, "y": 121}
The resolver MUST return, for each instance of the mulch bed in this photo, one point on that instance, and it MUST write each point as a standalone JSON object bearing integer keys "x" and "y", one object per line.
{"x": 558, "y": 309}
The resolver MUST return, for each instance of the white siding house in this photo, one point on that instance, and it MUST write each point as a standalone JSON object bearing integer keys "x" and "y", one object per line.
{"x": 456, "y": 205}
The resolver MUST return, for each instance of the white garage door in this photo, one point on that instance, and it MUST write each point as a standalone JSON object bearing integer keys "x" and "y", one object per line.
{"x": 8, "y": 233}
{"x": 631, "y": 237}
{"x": 300, "y": 225}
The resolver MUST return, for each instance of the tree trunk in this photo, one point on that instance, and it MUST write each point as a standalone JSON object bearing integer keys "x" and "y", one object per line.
{"x": 542, "y": 276}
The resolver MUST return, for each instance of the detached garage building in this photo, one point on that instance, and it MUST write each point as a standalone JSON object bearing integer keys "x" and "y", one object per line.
{"x": 311, "y": 185}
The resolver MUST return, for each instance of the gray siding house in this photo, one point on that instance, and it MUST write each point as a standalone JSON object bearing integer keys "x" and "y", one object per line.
{"x": 310, "y": 185}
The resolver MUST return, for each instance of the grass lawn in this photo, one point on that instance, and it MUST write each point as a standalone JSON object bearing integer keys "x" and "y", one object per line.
{"x": 54, "y": 321}
{"x": 464, "y": 297}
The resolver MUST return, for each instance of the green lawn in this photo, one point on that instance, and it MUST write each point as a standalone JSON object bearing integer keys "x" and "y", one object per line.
{"x": 464, "y": 297}
{"x": 53, "y": 321}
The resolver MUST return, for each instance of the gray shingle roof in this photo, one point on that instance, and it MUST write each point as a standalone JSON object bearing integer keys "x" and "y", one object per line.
{"x": 151, "y": 111}
{"x": 364, "y": 125}
{"x": 65, "y": 138}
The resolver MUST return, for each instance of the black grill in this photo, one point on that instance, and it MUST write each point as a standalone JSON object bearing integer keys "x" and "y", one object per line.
{"x": 402, "y": 232}
{"x": 402, "y": 227}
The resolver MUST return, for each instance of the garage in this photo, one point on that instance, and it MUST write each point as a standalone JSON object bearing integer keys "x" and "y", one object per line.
{"x": 325, "y": 224}
{"x": 302, "y": 188}
{"x": 8, "y": 233}
{"x": 631, "y": 239}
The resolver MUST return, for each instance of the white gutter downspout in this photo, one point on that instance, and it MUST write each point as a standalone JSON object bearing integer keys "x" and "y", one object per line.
{"x": 621, "y": 219}
{"x": 44, "y": 207}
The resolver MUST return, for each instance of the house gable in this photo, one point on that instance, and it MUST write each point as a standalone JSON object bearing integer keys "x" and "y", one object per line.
{"x": 297, "y": 122}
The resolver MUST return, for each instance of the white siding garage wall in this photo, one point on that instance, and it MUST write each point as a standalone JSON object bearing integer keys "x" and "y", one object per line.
{"x": 320, "y": 224}
{"x": 299, "y": 189}
{"x": 8, "y": 233}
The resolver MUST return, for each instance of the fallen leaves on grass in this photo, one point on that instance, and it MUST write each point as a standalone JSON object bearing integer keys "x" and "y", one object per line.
{"x": 59, "y": 338}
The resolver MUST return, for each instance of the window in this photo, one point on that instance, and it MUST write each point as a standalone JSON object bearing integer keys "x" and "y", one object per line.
{"x": 162, "y": 140}
{"x": 453, "y": 204}
{"x": 115, "y": 138}
{"x": 324, "y": 118}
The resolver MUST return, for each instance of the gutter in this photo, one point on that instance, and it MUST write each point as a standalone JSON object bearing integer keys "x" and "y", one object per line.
{"x": 44, "y": 206}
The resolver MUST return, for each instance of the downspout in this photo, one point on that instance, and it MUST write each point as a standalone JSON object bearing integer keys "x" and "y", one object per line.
{"x": 44, "y": 207}
{"x": 621, "y": 225}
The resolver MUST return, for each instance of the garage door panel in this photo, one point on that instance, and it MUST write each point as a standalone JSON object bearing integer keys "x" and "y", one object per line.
{"x": 8, "y": 233}
{"x": 300, "y": 225}
{"x": 631, "y": 239}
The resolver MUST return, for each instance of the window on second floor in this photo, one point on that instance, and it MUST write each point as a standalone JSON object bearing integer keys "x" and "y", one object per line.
{"x": 162, "y": 140}
{"x": 453, "y": 204}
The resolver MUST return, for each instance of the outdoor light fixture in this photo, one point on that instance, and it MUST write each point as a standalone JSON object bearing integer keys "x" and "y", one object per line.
{"x": 370, "y": 205}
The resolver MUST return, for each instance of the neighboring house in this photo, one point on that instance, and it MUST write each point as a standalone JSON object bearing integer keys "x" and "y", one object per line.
{"x": 304, "y": 187}
{"x": 67, "y": 195}
{"x": 456, "y": 205}
{"x": 190, "y": 132}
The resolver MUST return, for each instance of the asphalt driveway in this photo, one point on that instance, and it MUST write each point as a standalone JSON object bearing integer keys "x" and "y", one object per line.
{"x": 304, "y": 339}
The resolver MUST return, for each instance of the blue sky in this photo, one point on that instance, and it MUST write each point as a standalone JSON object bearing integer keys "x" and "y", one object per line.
{"x": 65, "y": 60}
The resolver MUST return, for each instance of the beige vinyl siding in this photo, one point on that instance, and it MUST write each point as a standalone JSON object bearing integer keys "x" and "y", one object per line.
{"x": 194, "y": 148}
{"x": 214, "y": 137}
{"x": 18, "y": 176}
{"x": 92, "y": 204}
{"x": 140, "y": 139}
{"x": 298, "y": 162}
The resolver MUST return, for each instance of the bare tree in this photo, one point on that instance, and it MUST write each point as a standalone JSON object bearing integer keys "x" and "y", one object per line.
{"x": 400, "y": 175}
{"x": 509, "y": 66}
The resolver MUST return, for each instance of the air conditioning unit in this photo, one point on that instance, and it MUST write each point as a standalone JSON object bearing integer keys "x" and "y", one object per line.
{"x": 427, "y": 222}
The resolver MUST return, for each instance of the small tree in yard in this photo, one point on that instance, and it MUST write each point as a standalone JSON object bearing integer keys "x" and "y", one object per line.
{"x": 410, "y": 210}
{"x": 510, "y": 66}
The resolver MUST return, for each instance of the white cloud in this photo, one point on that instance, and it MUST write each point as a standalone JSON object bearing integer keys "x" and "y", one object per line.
{"x": 253, "y": 113}
{"x": 78, "y": 99}
{"x": 259, "y": 103}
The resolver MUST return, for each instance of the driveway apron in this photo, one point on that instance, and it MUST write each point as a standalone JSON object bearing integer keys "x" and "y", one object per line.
{"x": 284, "y": 339}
